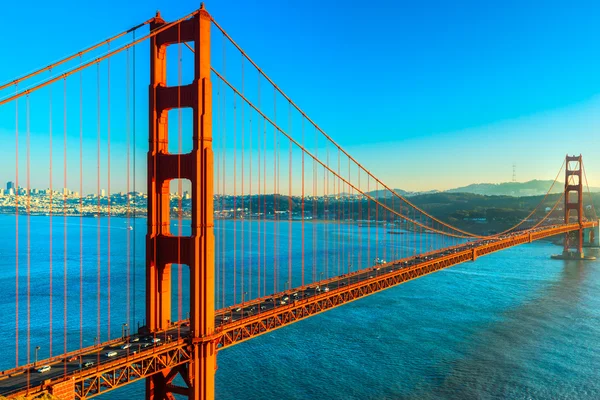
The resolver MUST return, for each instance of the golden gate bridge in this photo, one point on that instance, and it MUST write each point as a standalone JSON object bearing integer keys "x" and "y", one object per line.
{"x": 247, "y": 153}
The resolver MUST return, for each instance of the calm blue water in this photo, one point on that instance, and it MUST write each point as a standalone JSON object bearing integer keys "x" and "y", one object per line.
{"x": 513, "y": 325}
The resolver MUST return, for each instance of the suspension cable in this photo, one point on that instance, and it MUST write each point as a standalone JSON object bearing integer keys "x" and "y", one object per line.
{"x": 96, "y": 60}
{"x": 73, "y": 56}
{"x": 465, "y": 233}
{"x": 278, "y": 128}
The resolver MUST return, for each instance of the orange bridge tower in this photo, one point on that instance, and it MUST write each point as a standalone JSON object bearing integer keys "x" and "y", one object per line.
{"x": 163, "y": 248}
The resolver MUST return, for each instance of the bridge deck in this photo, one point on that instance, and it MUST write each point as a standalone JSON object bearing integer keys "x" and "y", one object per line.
{"x": 243, "y": 321}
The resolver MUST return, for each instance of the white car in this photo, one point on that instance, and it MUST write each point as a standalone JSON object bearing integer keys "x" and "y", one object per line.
{"x": 155, "y": 340}
{"x": 111, "y": 353}
{"x": 126, "y": 346}
{"x": 43, "y": 369}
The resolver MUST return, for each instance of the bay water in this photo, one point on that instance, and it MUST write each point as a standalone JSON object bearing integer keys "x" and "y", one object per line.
{"x": 512, "y": 325}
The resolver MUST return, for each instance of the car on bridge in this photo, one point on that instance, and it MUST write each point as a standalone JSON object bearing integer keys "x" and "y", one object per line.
{"x": 43, "y": 369}
{"x": 111, "y": 353}
{"x": 88, "y": 364}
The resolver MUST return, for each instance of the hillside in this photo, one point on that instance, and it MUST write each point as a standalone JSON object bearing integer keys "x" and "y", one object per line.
{"x": 516, "y": 189}
{"x": 513, "y": 189}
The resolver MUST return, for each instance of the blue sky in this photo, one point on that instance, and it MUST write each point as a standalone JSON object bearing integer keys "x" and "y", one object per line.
{"x": 427, "y": 95}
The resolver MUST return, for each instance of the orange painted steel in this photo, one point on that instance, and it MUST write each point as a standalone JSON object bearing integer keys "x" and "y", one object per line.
{"x": 163, "y": 248}
{"x": 113, "y": 374}
{"x": 167, "y": 361}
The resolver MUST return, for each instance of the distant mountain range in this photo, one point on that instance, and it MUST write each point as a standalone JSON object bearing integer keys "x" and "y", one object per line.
{"x": 516, "y": 189}
{"x": 385, "y": 194}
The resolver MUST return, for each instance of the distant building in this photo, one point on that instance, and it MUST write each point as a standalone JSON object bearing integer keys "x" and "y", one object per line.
{"x": 102, "y": 193}
{"x": 10, "y": 185}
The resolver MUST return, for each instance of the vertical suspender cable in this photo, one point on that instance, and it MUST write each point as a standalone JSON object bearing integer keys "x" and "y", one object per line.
{"x": 289, "y": 285}
{"x": 264, "y": 252}
{"x": 360, "y": 218}
{"x": 108, "y": 194}
{"x": 65, "y": 193}
{"x": 224, "y": 135}
{"x": 275, "y": 220}
{"x": 250, "y": 252}
{"x": 50, "y": 222}
{"x": 127, "y": 184}
{"x": 326, "y": 216}
{"x": 134, "y": 186}
{"x": 28, "y": 240}
{"x": 340, "y": 242}
{"x": 302, "y": 244}
{"x": 98, "y": 215}
{"x": 16, "y": 231}
{"x": 179, "y": 182}
{"x": 368, "y": 221}
{"x": 350, "y": 218}
{"x": 258, "y": 145}
{"x": 234, "y": 199}
{"x": 223, "y": 237}
{"x": 314, "y": 211}
{"x": 219, "y": 196}
{"x": 377, "y": 245}
{"x": 243, "y": 255}
{"x": 80, "y": 208}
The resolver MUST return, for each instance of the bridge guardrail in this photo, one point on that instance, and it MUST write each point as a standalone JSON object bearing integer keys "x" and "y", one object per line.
{"x": 51, "y": 360}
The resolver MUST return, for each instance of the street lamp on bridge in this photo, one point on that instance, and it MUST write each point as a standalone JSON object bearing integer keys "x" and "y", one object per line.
{"x": 36, "y": 355}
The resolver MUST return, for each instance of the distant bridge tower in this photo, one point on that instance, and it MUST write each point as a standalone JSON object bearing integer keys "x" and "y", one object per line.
{"x": 162, "y": 247}
{"x": 574, "y": 202}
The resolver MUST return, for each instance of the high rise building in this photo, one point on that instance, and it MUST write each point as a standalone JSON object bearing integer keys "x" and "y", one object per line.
{"x": 102, "y": 193}
{"x": 10, "y": 185}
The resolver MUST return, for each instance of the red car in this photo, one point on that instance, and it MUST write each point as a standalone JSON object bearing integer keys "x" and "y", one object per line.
{"x": 72, "y": 358}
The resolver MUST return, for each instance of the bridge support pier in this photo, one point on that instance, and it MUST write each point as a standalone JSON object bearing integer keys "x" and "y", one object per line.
{"x": 591, "y": 236}
{"x": 64, "y": 390}
{"x": 163, "y": 248}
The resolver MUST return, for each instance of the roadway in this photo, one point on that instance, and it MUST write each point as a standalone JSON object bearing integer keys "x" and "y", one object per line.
{"x": 92, "y": 359}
